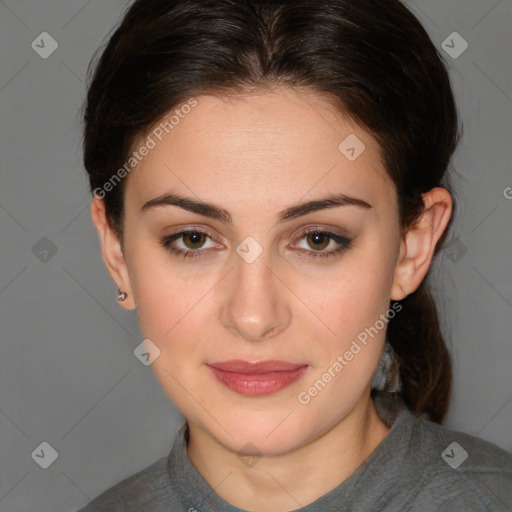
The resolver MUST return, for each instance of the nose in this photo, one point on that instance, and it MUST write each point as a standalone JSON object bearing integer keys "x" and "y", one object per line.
{"x": 255, "y": 306}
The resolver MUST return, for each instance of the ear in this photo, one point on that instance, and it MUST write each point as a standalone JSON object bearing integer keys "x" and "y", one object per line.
{"x": 112, "y": 251}
{"x": 419, "y": 242}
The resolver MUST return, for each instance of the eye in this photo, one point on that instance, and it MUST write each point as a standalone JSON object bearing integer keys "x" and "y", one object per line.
{"x": 320, "y": 240}
{"x": 191, "y": 241}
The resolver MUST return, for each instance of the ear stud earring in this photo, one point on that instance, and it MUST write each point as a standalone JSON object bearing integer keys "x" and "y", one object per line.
{"x": 121, "y": 295}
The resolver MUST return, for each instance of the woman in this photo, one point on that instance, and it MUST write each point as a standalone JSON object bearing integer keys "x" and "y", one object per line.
{"x": 269, "y": 186}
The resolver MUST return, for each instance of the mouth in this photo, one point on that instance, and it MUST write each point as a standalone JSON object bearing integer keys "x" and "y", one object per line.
{"x": 257, "y": 379}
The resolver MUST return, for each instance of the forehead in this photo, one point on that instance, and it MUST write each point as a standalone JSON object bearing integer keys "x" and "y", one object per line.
{"x": 266, "y": 146}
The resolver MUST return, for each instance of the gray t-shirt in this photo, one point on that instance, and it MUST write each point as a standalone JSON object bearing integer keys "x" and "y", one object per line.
{"x": 419, "y": 466}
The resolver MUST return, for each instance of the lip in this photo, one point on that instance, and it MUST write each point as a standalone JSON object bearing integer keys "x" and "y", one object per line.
{"x": 257, "y": 378}
{"x": 240, "y": 366}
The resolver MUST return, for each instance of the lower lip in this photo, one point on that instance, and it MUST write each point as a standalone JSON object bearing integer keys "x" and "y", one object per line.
{"x": 258, "y": 384}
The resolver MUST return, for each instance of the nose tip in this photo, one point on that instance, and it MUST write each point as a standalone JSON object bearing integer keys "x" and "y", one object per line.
{"x": 252, "y": 329}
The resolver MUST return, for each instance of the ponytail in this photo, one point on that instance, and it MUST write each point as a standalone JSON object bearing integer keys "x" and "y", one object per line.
{"x": 421, "y": 359}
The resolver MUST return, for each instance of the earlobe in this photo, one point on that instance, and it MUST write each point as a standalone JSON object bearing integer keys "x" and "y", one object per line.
{"x": 419, "y": 242}
{"x": 112, "y": 251}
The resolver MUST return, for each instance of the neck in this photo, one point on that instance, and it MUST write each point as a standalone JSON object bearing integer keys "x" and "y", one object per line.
{"x": 295, "y": 479}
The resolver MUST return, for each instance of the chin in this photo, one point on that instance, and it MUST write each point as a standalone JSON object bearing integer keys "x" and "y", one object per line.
{"x": 263, "y": 435}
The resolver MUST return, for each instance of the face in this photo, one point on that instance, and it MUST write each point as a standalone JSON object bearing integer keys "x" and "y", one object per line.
{"x": 256, "y": 279}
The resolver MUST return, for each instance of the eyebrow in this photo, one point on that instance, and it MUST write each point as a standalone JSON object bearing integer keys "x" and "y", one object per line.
{"x": 216, "y": 212}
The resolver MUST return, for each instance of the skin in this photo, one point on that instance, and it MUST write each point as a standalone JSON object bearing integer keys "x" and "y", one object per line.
{"x": 254, "y": 156}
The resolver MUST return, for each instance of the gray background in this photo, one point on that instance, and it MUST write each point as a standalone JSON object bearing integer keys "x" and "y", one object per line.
{"x": 68, "y": 375}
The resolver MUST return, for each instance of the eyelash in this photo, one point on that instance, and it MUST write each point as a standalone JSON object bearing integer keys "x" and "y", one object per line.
{"x": 344, "y": 244}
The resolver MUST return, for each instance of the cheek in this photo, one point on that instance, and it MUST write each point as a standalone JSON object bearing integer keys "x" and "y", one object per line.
{"x": 171, "y": 311}
{"x": 168, "y": 292}
{"x": 170, "y": 308}
{"x": 354, "y": 306}
{"x": 352, "y": 298}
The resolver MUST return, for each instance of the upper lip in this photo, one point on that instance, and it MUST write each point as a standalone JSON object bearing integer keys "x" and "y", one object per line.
{"x": 239, "y": 366}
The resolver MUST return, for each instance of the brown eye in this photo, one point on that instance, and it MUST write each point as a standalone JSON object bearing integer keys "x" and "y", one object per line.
{"x": 189, "y": 243}
{"x": 312, "y": 244}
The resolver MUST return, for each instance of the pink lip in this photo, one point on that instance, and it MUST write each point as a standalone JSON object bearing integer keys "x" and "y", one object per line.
{"x": 257, "y": 379}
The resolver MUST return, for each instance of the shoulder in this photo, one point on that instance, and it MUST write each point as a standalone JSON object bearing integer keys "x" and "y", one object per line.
{"x": 459, "y": 471}
{"x": 146, "y": 488}
{"x": 426, "y": 466}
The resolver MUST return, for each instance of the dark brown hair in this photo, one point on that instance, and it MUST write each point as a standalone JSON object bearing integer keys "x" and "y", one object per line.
{"x": 372, "y": 58}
